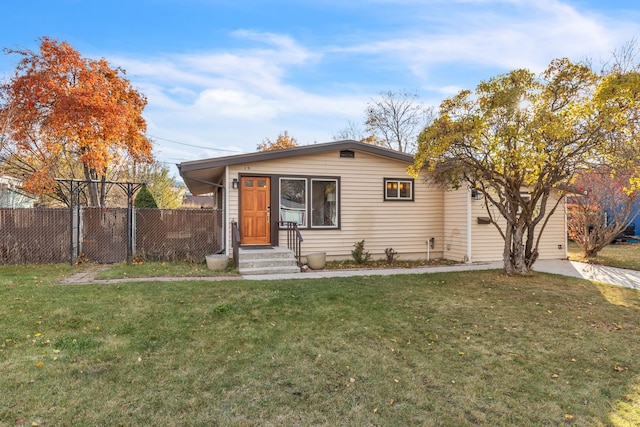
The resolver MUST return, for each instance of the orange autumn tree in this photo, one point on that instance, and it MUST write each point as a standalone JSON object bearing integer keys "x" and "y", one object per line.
{"x": 284, "y": 140}
{"x": 72, "y": 117}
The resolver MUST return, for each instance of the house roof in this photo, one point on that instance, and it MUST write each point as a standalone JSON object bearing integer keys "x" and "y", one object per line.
{"x": 201, "y": 176}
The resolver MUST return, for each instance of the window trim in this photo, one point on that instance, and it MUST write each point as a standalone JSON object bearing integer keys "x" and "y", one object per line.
{"x": 411, "y": 182}
{"x": 305, "y": 215}
{"x": 523, "y": 195}
{"x": 308, "y": 200}
{"x": 337, "y": 202}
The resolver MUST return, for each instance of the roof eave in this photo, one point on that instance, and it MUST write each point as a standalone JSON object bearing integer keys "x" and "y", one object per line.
{"x": 293, "y": 152}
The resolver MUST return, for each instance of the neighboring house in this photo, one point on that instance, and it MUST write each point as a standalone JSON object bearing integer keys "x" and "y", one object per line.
{"x": 635, "y": 231}
{"x": 343, "y": 192}
{"x": 11, "y": 196}
{"x": 190, "y": 201}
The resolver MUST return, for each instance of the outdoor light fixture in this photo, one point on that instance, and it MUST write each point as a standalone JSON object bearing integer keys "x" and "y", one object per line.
{"x": 475, "y": 194}
{"x": 234, "y": 183}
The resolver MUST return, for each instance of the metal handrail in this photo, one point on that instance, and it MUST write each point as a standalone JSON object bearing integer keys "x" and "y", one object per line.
{"x": 294, "y": 237}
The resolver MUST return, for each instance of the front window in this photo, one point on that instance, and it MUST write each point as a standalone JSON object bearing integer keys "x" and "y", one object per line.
{"x": 398, "y": 189}
{"x": 324, "y": 203}
{"x": 309, "y": 202}
{"x": 293, "y": 200}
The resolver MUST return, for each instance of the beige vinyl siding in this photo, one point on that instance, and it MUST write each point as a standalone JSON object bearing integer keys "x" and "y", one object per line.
{"x": 486, "y": 242}
{"x": 404, "y": 226}
{"x": 456, "y": 224}
{"x": 488, "y": 245}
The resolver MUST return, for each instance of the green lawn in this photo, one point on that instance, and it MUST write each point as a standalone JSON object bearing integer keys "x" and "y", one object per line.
{"x": 618, "y": 255}
{"x": 123, "y": 270}
{"x": 456, "y": 349}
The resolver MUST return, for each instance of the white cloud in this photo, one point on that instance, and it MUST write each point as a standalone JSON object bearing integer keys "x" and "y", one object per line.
{"x": 233, "y": 103}
{"x": 521, "y": 34}
{"x": 234, "y": 98}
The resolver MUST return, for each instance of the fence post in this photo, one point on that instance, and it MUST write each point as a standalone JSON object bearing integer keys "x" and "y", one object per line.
{"x": 74, "y": 215}
{"x": 131, "y": 189}
{"x": 72, "y": 229}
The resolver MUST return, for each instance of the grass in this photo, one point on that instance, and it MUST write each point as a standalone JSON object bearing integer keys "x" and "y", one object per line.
{"x": 618, "y": 255}
{"x": 162, "y": 269}
{"x": 456, "y": 349}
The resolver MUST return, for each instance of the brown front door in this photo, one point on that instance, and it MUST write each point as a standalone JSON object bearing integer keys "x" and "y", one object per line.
{"x": 255, "y": 215}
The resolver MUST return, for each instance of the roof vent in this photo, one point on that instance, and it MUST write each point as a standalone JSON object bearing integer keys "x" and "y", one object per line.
{"x": 348, "y": 154}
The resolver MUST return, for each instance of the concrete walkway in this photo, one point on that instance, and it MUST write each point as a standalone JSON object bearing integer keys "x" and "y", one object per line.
{"x": 609, "y": 275}
{"x": 597, "y": 273}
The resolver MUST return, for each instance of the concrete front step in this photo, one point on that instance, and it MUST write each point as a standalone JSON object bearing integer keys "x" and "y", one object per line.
{"x": 260, "y": 252}
{"x": 269, "y": 270}
{"x": 267, "y": 261}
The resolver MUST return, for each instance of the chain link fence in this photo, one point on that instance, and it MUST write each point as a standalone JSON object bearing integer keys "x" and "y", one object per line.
{"x": 177, "y": 234}
{"x": 35, "y": 236}
{"x": 101, "y": 235}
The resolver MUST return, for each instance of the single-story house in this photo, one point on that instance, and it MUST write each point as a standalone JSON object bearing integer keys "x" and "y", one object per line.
{"x": 340, "y": 193}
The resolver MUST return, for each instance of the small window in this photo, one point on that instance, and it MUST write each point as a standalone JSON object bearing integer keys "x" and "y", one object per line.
{"x": 398, "y": 189}
{"x": 526, "y": 198}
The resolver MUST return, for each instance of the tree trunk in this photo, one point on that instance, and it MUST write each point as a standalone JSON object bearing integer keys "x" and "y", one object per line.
{"x": 103, "y": 191}
{"x": 515, "y": 254}
{"x": 94, "y": 200}
{"x": 506, "y": 253}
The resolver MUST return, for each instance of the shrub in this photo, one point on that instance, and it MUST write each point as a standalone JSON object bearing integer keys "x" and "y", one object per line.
{"x": 391, "y": 255}
{"x": 359, "y": 255}
{"x": 144, "y": 199}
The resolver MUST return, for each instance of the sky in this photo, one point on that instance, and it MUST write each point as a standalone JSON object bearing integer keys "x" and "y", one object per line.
{"x": 220, "y": 76}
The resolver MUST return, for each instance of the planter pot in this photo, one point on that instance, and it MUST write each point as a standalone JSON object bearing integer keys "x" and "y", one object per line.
{"x": 217, "y": 262}
{"x": 317, "y": 260}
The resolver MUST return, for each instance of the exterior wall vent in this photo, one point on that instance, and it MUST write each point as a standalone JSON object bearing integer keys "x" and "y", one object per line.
{"x": 348, "y": 154}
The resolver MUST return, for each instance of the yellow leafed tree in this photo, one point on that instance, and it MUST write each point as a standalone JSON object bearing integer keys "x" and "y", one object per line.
{"x": 519, "y": 139}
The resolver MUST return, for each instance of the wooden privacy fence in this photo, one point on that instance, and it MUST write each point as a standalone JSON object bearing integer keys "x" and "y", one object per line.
{"x": 100, "y": 234}
{"x": 34, "y": 236}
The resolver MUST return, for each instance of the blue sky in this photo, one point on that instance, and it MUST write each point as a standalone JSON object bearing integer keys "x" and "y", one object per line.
{"x": 222, "y": 75}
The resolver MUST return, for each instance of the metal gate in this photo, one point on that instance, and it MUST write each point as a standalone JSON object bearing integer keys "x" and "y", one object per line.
{"x": 103, "y": 236}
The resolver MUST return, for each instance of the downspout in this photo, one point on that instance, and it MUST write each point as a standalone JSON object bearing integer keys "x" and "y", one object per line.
{"x": 469, "y": 233}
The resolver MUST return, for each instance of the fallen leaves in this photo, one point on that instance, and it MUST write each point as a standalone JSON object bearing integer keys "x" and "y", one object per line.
{"x": 619, "y": 368}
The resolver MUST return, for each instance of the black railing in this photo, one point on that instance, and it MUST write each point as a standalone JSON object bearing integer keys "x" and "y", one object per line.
{"x": 235, "y": 241}
{"x": 294, "y": 238}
